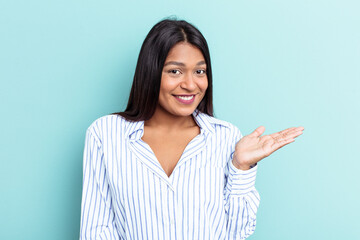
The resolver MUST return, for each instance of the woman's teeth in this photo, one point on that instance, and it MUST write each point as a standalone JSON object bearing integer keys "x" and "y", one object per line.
{"x": 186, "y": 98}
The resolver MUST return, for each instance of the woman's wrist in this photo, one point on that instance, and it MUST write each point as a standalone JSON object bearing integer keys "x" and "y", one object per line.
{"x": 240, "y": 166}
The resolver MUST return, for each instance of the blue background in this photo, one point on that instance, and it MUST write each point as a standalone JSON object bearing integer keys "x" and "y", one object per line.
{"x": 277, "y": 63}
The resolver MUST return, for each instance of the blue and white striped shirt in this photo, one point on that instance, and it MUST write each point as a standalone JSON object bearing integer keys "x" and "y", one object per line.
{"x": 127, "y": 194}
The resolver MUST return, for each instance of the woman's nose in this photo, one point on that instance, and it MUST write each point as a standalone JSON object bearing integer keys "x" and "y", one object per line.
{"x": 188, "y": 82}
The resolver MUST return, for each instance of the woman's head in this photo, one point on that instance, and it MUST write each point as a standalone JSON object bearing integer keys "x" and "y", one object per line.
{"x": 144, "y": 95}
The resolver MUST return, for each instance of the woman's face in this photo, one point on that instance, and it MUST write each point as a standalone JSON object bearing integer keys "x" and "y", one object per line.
{"x": 183, "y": 80}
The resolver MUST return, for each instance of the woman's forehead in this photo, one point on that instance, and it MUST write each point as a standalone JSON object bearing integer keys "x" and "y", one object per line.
{"x": 185, "y": 53}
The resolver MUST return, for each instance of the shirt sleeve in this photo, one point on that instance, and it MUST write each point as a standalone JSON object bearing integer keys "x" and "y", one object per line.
{"x": 241, "y": 199}
{"x": 97, "y": 216}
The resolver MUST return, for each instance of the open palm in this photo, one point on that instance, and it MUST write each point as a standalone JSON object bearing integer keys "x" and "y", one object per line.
{"x": 254, "y": 147}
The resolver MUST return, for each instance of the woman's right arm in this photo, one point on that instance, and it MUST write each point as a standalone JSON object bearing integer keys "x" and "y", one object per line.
{"x": 97, "y": 215}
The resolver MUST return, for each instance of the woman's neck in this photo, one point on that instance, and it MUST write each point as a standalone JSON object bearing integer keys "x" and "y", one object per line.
{"x": 166, "y": 121}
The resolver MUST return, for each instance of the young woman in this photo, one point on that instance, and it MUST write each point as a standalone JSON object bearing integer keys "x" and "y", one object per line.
{"x": 165, "y": 168}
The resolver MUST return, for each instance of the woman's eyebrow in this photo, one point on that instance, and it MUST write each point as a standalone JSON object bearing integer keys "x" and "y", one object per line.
{"x": 182, "y": 64}
{"x": 201, "y": 63}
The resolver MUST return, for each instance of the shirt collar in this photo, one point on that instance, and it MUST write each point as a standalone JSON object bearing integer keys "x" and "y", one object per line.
{"x": 206, "y": 123}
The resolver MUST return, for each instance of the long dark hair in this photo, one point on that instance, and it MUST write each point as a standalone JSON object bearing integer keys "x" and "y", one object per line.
{"x": 144, "y": 95}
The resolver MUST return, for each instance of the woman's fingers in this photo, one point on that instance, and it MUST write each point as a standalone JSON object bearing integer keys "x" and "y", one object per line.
{"x": 278, "y": 145}
{"x": 285, "y": 137}
{"x": 288, "y": 133}
{"x": 283, "y": 132}
{"x": 258, "y": 132}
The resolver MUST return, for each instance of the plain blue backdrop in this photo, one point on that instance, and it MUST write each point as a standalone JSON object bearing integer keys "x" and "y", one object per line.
{"x": 277, "y": 63}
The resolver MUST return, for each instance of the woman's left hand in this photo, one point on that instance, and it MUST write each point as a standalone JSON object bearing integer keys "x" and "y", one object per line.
{"x": 254, "y": 147}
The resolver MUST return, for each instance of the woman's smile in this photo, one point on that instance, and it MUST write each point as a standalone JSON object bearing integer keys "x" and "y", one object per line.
{"x": 186, "y": 99}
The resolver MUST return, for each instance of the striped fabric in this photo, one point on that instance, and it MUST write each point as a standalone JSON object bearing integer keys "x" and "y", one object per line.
{"x": 127, "y": 194}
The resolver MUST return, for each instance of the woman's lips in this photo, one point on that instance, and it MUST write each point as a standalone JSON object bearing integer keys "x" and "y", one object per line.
{"x": 186, "y": 99}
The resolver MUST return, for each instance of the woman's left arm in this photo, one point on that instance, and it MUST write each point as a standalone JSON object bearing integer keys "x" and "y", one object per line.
{"x": 241, "y": 202}
{"x": 241, "y": 198}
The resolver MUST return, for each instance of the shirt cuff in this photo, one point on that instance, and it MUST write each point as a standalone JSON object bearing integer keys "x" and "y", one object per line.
{"x": 241, "y": 181}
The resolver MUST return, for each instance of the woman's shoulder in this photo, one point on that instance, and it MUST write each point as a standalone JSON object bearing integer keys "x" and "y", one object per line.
{"x": 107, "y": 124}
{"x": 220, "y": 128}
{"x": 224, "y": 129}
{"x": 218, "y": 123}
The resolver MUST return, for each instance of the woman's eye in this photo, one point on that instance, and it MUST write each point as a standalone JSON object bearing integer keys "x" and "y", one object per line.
{"x": 174, "y": 71}
{"x": 201, "y": 71}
